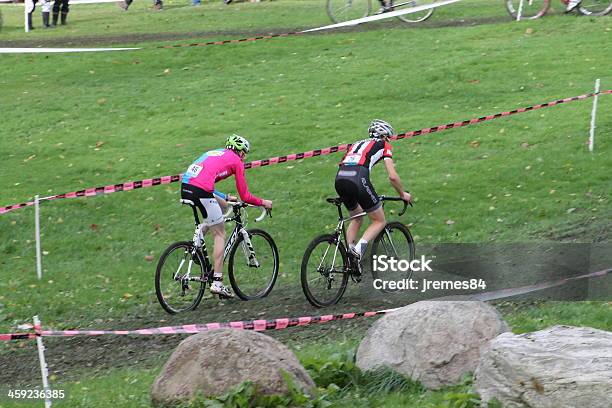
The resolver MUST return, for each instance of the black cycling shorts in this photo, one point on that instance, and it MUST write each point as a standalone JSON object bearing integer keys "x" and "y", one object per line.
{"x": 354, "y": 187}
{"x": 205, "y": 201}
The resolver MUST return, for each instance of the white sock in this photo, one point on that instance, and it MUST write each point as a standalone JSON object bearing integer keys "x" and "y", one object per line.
{"x": 361, "y": 246}
{"x": 218, "y": 276}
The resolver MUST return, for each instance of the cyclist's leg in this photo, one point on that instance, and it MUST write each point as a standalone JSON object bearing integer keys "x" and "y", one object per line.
{"x": 348, "y": 190}
{"x": 372, "y": 205}
{"x": 354, "y": 226}
{"x": 215, "y": 223}
{"x": 377, "y": 224}
{"x": 213, "y": 220}
{"x": 218, "y": 232}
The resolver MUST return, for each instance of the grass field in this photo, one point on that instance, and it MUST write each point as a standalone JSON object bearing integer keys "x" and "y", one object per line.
{"x": 83, "y": 120}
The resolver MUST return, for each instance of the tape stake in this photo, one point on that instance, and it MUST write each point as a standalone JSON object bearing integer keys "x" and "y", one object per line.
{"x": 593, "y": 116}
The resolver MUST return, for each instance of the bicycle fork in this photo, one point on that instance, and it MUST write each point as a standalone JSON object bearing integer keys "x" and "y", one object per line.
{"x": 247, "y": 248}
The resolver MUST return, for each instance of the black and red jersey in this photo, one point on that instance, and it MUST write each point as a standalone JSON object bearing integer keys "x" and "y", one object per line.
{"x": 367, "y": 153}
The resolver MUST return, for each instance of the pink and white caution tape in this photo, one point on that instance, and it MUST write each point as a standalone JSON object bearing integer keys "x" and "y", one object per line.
{"x": 132, "y": 185}
{"x": 284, "y": 323}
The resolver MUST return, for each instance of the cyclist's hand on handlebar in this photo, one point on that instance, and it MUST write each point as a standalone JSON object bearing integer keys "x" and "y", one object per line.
{"x": 231, "y": 198}
{"x": 406, "y": 197}
{"x": 267, "y": 204}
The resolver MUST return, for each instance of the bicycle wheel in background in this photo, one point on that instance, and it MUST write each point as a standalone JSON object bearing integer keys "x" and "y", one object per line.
{"x": 413, "y": 17}
{"x": 176, "y": 291}
{"x": 251, "y": 281}
{"x": 324, "y": 276}
{"x": 532, "y": 9}
{"x": 595, "y": 7}
{"x": 345, "y": 10}
{"x": 395, "y": 241}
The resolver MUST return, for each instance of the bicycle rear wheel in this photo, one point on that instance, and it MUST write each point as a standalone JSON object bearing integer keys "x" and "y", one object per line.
{"x": 413, "y": 17}
{"x": 595, "y": 7}
{"x": 532, "y": 9}
{"x": 178, "y": 279}
{"x": 324, "y": 274}
{"x": 395, "y": 241}
{"x": 345, "y": 10}
{"x": 253, "y": 279}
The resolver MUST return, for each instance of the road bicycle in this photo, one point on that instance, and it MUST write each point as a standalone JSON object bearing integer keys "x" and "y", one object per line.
{"x": 345, "y": 10}
{"x": 184, "y": 268}
{"x": 533, "y": 9}
{"x": 327, "y": 264}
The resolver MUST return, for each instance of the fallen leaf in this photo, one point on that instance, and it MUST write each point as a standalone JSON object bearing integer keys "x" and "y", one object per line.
{"x": 450, "y": 222}
{"x": 149, "y": 258}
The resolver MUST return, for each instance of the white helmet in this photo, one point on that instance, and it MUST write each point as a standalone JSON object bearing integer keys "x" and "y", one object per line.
{"x": 379, "y": 129}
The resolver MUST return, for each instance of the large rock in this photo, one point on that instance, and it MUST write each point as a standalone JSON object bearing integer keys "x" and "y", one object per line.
{"x": 560, "y": 367}
{"x": 433, "y": 342}
{"x": 212, "y": 362}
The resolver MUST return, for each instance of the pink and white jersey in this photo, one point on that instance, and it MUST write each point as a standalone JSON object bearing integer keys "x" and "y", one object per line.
{"x": 217, "y": 165}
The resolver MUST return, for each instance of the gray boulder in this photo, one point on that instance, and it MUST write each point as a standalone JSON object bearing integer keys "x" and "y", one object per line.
{"x": 560, "y": 367}
{"x": 432, "y": 342}
{"x": 212, "y": 362}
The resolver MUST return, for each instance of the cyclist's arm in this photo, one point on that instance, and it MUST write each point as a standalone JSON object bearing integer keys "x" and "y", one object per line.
{"x": 395, "y": 179}
{"x": 243, "y": 188}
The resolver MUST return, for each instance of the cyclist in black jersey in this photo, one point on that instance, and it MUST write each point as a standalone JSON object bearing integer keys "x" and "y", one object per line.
{"x": 354, "y": 187}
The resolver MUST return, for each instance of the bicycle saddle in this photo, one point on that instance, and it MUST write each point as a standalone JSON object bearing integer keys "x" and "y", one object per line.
{"x": 335, "y": 200}
{"x": 187, "y": 202}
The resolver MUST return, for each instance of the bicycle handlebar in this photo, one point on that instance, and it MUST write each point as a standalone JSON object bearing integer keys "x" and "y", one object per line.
{"x": 385, "y": 198}
{"x": 338, "y": 202}
{"x": 241, "y": 204}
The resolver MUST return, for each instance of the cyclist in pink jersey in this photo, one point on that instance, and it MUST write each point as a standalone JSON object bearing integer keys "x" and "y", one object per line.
{"x": 199, "y": 187}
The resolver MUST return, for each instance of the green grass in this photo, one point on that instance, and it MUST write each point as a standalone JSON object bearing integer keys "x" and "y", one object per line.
{"x": 76, "y": 121}
{"x": 153, "y": 111}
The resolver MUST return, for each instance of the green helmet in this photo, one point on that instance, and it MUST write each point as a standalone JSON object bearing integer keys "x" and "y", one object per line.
{"x": 237, "y": 143}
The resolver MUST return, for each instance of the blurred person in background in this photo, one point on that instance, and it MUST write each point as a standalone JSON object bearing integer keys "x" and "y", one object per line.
{"x": 46, "y": 11}
{"x": 30, "y": 7}
{"x": 60, "y": 6}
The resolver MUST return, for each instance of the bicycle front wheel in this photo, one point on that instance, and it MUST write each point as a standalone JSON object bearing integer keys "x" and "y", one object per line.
{"x": 324, "y": 271}
{"x": 178, "y": 279}
{"x": 413, "y": 17}
{"x": 395, "y": 241}
{"x": 345, "y": 10}
{"x": 531, "y": 10}
{"x": 253, "y": 271}
{"x": 595, "y": 7}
